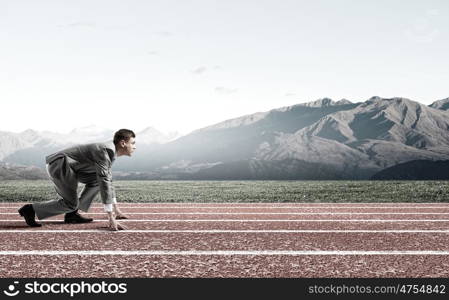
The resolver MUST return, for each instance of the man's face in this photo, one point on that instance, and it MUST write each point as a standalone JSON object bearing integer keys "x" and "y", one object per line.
{"x": 129, "y": 146}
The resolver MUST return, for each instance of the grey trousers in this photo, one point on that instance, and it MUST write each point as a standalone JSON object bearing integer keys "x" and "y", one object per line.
{"x": 66, "y": 185}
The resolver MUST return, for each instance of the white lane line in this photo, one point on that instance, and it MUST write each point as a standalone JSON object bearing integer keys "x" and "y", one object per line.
{"x": 252, "y": 220}
{"x": 262, "y": 213}
{"x": 255, "y": 203}
{"x": 221, "y": 231}
{"x": 261, "y": 205}
{"x": 220, "y": 252}
{"x": 267, "y": 207}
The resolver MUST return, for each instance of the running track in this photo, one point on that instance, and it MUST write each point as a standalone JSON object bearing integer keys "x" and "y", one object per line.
{"x": 234, "y": 240}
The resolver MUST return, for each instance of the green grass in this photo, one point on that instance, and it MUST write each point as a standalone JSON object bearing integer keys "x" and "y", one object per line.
{"x": 246, "y": 191}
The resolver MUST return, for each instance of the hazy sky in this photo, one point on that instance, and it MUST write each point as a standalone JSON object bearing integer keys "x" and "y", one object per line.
{"x": 181, "y": 65}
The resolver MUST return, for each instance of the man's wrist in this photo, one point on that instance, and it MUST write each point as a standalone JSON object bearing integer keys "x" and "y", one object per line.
{"x": 108, "y": 207}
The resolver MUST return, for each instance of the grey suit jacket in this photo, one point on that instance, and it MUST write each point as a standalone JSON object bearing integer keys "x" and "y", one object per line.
{"x": 91, "y": 163}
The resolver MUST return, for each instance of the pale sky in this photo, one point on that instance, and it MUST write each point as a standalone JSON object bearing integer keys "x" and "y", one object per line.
{"x": 186, "y": 64}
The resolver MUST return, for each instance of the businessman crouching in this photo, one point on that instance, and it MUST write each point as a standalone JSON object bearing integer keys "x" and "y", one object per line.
{"x": 91, "y": 165}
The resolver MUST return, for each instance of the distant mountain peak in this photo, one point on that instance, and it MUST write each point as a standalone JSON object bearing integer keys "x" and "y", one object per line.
{"x": 151, "y": 135}
{"x": 29, "y": 134}
{"x": 89, "y": 129}
{"x": 395, "y": 102}
{"x": 150, "y": 129}
{"x": 29, "y": 131}
{"x": 235, "y": 122}
{"x": 394, "y": 99}
{"x": 343, "y": 102}
{"x": 325, "y": 102}
{"x": 375, "y": 98}
{"x": 442, "y": 104}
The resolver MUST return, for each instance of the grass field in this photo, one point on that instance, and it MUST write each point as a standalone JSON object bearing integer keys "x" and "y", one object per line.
{"x": 246, "y": 191}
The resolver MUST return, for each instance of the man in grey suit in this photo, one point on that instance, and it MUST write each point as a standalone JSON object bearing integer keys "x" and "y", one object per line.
{"x": 89, "y": 164}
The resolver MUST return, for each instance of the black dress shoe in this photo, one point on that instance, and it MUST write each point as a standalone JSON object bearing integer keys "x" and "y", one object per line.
{"x": 74, "y": 217}
{"x": 27, "y": 211}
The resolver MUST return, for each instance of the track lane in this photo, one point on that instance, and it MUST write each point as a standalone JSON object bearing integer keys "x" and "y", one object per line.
{"x": 224, "y": 266}
{"x": 254, "y": 216}
{"x": 217, "y": 224}
{"x": 257, "y": 204}
{"x": 263, "y": 210}
{"x": 169, "y": 218}
{"x": 202, "y": 241}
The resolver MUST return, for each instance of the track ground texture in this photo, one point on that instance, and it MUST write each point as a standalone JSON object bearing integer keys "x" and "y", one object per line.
{"x": 234, "y": 240}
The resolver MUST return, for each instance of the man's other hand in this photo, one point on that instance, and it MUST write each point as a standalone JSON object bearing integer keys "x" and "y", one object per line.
{"x": 113, "y": 224}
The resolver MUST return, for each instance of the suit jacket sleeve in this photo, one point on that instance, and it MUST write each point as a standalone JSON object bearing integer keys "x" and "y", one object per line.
{"x": 103, "y": 165}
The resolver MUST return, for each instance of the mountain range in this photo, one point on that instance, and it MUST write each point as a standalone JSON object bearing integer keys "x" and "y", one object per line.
{"x": 30, "y": 146}
{"x": 323, "y": 139}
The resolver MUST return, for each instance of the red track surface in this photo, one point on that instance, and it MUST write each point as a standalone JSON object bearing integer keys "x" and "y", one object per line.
{"x": 167, "y": 240}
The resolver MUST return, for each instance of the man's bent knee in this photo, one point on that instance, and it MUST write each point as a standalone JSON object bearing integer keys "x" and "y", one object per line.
{"x": 71, "y": 205}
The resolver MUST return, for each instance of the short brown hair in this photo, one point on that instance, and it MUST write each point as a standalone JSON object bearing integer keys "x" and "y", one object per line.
{"x": 123, "y": 134}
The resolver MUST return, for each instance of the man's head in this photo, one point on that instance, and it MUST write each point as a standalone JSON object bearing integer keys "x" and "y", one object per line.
{"x": 124, "y": 141}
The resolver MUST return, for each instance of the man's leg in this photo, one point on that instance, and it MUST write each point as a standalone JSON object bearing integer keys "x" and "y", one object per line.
{"x": 89, "y": 193}
{"x": 66, "y": 184}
